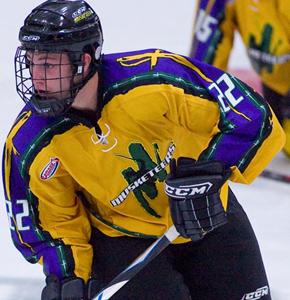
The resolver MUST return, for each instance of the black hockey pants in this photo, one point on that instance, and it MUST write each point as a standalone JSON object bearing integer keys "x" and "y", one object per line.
{"x": 225, "y": 265}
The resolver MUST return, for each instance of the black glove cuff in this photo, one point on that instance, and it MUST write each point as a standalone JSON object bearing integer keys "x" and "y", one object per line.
{"x": 73, "y": 289}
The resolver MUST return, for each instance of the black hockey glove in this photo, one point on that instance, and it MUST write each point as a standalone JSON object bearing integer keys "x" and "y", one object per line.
{"x": 194, "y": 196}
{"x": 73, "y": 289}
{"x": 94, "y": 287}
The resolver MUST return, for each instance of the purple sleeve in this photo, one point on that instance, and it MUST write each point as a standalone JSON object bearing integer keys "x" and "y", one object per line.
{"x": 29, "y": 238}
{"x": 207, "y": 30}
{"x": 245, "y": 119}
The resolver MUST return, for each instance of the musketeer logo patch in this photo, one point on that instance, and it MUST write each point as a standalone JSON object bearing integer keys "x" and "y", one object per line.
{"x": 138, "y": 180}
{"x": 50, "y": 169}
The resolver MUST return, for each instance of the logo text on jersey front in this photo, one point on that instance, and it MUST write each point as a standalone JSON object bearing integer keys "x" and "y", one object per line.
{"x": 143, "y": 180}
{"x": 263, "y": 50}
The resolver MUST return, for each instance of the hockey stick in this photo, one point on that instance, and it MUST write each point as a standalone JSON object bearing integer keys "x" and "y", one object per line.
{"x": 275, "y": 176}
{"x": 138, "y": 264}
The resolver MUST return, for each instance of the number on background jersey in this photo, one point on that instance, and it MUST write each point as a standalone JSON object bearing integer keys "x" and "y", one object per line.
{"x": 204, "y": 26}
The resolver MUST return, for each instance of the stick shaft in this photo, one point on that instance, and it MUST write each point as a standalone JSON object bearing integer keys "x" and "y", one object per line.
{"x": 275, "y": 176}
{"x": 138, "y": 264}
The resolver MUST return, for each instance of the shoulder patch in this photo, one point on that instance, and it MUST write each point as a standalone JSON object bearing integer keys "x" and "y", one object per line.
{"x": 50, "y": 169}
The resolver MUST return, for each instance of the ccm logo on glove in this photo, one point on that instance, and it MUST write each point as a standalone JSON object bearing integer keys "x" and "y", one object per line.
{"x": 188, "y": 190}
{"x": 193, "y": 188}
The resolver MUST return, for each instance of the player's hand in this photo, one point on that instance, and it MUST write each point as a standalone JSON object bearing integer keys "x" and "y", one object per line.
{"x": 194, "y": 195}
{"x": 71, "y": 289}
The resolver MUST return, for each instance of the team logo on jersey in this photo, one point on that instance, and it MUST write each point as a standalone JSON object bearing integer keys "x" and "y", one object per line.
{"x": 143, "y": 181}
{"x": 50, "y": 169}
{"x": 263, "y": 50}
{"x": 258, "y": 294}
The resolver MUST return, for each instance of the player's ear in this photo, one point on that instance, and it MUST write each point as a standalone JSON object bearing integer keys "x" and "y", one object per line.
{"x": 86, "y": 62}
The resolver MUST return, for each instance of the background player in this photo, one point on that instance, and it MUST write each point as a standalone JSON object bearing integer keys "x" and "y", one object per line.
{"x": 264, "y": 29}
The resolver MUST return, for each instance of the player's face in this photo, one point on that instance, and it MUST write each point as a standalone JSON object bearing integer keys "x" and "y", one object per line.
{"x": 51, "y": 74}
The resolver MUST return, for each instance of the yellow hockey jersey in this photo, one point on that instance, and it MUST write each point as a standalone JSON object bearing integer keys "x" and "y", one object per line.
{"x": 63, "y": 175}
{"x": 264, "y": 27}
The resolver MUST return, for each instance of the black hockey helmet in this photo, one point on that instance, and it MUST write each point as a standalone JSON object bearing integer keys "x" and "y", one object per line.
{"x": 57, "y": 26}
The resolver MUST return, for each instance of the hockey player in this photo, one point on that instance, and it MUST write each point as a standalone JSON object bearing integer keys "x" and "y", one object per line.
{"x": 86, "y": 161}
{"x": 264, "y": 29}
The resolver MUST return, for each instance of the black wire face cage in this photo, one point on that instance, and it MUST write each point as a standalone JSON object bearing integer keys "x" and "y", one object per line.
{"x": 48, "y": 81}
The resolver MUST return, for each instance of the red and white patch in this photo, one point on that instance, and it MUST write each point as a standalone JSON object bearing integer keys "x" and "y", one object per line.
{"x": 50, "y": 169}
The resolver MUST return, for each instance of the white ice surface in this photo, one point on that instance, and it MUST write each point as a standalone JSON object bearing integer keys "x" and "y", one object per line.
{"x": 130, "y": 25}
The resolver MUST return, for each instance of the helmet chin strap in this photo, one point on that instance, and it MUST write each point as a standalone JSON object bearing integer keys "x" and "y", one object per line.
{"x": 51, "y": 107}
